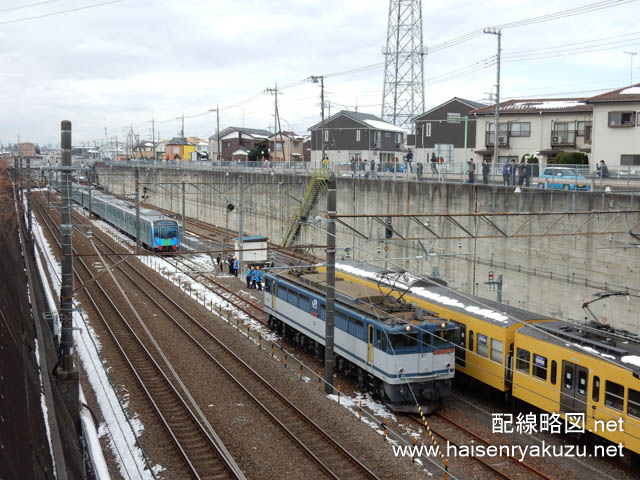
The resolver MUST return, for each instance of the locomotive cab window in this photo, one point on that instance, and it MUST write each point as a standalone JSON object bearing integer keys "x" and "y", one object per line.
{"x": 441, "y": 338}
{"x": 633, "y": 404}
{"x": 403, "y": 341}
{"x": 540, "y": 367}
{"x": 523, "y": 360}
{"x": 595, "y": 394}
{"x": 613, "y": 395}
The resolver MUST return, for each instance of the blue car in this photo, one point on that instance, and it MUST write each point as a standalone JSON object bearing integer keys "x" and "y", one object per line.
{"x": 562, "y": 178}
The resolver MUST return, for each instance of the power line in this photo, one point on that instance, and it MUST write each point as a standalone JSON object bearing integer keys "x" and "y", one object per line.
{"x": 20, "y": 7}
{"x": 77, "y": 9}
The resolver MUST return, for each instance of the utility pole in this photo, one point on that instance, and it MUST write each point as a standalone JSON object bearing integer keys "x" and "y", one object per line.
{"x": 496, "y": 143}
{"x": 138, "y": 237}
{"x": 240, "y": 224}
{"x": 276, "y": 121}
{"x": 66, "y": 229}
{"x": 184, "y": 218}
{"x": 182, "y": 128}
{"x": 631, "y": 55}
{"x": 29, "y": 225}
{"x": 320, "y": 79}
{"x": 217, "y": 110}
{"x": 153, "y": 138}
{"x": 331, "y": 283}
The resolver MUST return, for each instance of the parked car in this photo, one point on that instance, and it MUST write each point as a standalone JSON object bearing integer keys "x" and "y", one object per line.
{"x": 562, "y": 178}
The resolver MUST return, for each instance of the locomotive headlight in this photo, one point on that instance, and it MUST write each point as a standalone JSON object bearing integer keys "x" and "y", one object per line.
{"x": 443, "y": 324}
{"x": 408, "y": 328}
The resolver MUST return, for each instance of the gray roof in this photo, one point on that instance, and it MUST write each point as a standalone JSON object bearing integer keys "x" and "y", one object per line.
{"x": 470, "y": 103}
{"x": 178, "y": 141}
{"x": 248, "y": 131}
{"x": 359, "y": 117}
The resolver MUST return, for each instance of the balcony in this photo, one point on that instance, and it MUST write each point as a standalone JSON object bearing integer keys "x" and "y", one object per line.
{"x": 563, "y": 138}
{"x": 503, "y": 139}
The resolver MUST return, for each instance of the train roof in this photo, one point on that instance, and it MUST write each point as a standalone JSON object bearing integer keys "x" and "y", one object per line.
{"x": 385, "y": 308}
{"x": 147, "y": 214}
{"x": 432, "y": 291}
{"x": 585, "y": 339}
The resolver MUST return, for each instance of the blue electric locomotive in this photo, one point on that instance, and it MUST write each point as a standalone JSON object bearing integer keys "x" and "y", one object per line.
{"x": 159, "y": 233}
{"x": 401, "y": 353}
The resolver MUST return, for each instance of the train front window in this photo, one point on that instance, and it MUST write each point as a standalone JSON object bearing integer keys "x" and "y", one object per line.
{"x": 442, "y": 338}
{"x": 167, "y": 232}
{"x": 403, "y": 340}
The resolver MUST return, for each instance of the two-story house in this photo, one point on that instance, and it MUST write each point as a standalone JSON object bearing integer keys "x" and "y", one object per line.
{"x": 144, "y": 150}
{"x": 545, "y": 127}
{"x": 178, "y": 148}
{"x": 286, "y": 146}
{"x": 442, "y": 130}
{"x": 616, "y": 127}
{"x": 348, "y": 136}
{"x": 236, "y": 143}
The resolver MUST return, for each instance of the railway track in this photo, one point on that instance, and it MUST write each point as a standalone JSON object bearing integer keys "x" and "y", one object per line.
{"x": 204, "y": 455}
{"x": 330, "y": 457}
{"x": 509, "y": 471}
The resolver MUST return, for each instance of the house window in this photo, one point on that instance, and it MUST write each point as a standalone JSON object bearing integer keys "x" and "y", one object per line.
{"x": 427, "y": 129}
{"x": 520, "y": 129}
{"x": 357, "y": 135}
{"x": 378, "y": 138}
{"x": 633, "y": 160}
{"x": 580, "y": 128}
{"x": 387, "y": 134}
{"x": 398, "y": 138}
{"x": 326, "y": 135}
{"x": 622, "y": 119}
{"x": 176, "y": 149}
{"x": 279, "y": 146}
{"x": 638, "y": 120}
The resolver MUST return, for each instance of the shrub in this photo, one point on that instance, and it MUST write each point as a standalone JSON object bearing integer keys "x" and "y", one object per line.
{"x": 571, "y": 158}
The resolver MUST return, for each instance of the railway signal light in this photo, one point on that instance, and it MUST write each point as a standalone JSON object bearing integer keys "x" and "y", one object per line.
{"x": 388, "y": 230}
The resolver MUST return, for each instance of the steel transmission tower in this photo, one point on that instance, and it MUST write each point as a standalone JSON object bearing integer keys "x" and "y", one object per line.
{"x": 403, "y": 93}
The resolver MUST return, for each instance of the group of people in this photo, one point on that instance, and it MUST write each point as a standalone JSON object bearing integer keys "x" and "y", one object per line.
{"x": 511, "y": 170}
{"x": 254, "y": 277}
{"x": 232, "y": 263}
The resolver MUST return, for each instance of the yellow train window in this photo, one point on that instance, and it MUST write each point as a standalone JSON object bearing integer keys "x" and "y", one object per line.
{"x": 471, "y": 340}
{"x": 523, "y": 360}
{"x": 613, "y": 395}
{"x": 633, "y": 405}
{"x": 483, "y": 345}
{"x": 496, "y": 350}
{"x": 540, "y": 367}
{"x": 595, "y": 394}
{"x": 554, "y": 369}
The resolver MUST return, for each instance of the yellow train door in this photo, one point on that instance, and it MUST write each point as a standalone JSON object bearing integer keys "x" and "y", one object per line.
{"x": 370, "y": 345}
{"x": 575, "y": 381}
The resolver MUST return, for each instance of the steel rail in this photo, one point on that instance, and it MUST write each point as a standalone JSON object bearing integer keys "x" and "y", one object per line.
{"x": 228, "y": 465}
{"x": 270, "y": 389}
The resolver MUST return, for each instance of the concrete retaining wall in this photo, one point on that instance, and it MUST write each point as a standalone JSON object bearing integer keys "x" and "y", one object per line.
{"x": 552, "y": 274}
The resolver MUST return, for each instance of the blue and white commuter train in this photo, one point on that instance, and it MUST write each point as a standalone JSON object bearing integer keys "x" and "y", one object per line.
{"x": 401, "y": 353}
{"x": 159, "y": 233}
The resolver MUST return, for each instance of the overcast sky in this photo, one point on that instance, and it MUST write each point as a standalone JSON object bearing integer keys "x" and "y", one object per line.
{"x": 128, "y": 62}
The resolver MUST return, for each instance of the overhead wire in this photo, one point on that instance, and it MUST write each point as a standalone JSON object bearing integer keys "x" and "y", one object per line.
{"x": 61, "y": 12}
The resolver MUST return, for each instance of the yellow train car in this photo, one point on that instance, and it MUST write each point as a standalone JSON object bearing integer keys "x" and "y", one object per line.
{"x": 486, "y": 328}
{"x": 562, "y": 368}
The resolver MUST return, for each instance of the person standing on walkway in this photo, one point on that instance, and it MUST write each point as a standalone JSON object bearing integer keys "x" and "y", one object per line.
{"x": 235, "y": 267}
{"x": 472, "y": 170}
{"x": 259, "y": 278}
{"x": 512, "y": 172}
{"x": 219, "y": 263}
{"x": 527, "y": 174}
{"x": 505, "y": 174}
{"x": 521, "y": 173}
{"x": 434, "y": 164}
{"x": 373, "y": 168}
{"x": 486, "y": 166}
{"x": 419, "y": 168}
{"x": 249, "y": 274}
{"x": 603, "y": 170}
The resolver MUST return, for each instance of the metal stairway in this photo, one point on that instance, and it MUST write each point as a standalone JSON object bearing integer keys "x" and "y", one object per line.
{"x": 318, "y": 181}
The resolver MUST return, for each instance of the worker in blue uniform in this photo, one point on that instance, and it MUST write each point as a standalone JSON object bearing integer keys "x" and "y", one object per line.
{"x": 249, "y": 274}
{"x": 259, "y": 278}
{"x": 235, "y": 266}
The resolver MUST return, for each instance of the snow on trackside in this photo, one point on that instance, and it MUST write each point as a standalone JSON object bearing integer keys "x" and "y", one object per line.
{"x": 43, "y": 405}
{"x": 122, "y": 440}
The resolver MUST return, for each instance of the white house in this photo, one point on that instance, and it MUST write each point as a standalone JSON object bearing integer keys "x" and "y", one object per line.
{"x": 616, "y": 127}
{"x": 547, "y": 126}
